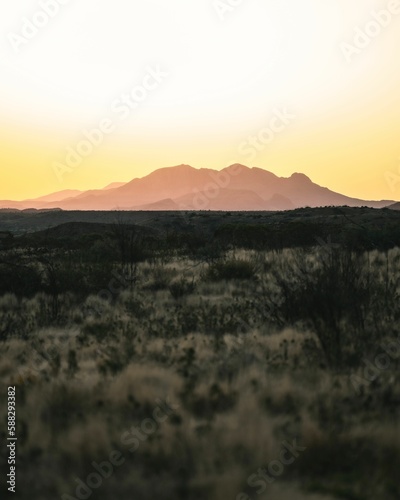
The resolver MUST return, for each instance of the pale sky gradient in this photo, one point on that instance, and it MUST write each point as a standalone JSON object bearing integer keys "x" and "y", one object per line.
{"x": 226, "y": 79}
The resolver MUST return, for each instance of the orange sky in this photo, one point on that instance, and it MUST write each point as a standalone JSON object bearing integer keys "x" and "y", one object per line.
{"x": 268, "y": 83}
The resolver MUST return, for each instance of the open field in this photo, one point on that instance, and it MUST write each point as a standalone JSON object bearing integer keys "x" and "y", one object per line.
{"x": 204, "y": 357}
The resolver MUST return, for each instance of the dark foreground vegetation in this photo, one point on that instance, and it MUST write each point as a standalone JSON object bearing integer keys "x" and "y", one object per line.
{"x": 204, "y": 356}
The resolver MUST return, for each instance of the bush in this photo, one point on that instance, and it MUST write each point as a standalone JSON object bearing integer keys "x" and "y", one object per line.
{"x": 235, "y": 269}
{"x": 331, "y": 295}
{"x": 181, "y": 288}
{"x": 21, "y": 280}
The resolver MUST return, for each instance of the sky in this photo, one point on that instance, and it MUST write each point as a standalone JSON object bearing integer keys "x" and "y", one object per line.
{"x": 95, "y": 92}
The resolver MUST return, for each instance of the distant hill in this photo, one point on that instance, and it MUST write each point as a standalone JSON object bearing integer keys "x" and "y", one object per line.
{"x": 183, "y": 187}
{"x": 75, "y": 230}
{"x": 333, "y": 219}
{"x": 60, "y": 195}
{"x": 114, "y": 185}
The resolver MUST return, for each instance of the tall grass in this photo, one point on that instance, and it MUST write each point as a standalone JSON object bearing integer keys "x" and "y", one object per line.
{"x": 264, "y": 352}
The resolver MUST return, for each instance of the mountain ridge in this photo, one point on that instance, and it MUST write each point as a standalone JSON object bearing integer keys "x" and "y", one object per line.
{"x": 183, "y": 187}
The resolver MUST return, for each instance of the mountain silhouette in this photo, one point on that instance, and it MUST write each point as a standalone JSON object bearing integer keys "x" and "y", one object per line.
{"x": 183, "y": 187}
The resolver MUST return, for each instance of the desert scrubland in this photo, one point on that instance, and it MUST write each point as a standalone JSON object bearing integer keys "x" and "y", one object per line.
{"x": 214, "y": 368}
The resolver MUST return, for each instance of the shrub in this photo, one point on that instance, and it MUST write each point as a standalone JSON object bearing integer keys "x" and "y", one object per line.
{"x": 235, "y": 269}
{"x": 180, "y": 288}
{"x": 330, "y": 293}
{"x": 21, "y": 280}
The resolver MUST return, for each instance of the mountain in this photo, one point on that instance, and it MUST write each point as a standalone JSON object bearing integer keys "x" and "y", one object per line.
{"x": 162, "y": 205}
{"x": 114, "y": 185}
{"x": 236, "y": 187}
{"x": 395, "y": 206}
{"x": 58, "y": 196}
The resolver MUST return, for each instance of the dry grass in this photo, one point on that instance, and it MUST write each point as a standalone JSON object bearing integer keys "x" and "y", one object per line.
{"x": 244, "y": 384}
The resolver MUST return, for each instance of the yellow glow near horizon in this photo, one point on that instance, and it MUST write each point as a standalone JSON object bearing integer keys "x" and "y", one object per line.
{"x": 228, "y": 73}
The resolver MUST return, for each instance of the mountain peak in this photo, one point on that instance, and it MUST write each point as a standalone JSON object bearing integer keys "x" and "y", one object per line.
{"x": 183, "y": 166}
{"x": 175, "y": 168}
{"x": 300, "y": 177}
{"x": 237, "y": 166}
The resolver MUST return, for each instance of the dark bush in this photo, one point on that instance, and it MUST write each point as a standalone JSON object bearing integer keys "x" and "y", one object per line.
{"x": 235, "y": 269}
{"x": 331, "y": 296}
{"x": 180, "y": 288}
{"x": 23, "y": 281}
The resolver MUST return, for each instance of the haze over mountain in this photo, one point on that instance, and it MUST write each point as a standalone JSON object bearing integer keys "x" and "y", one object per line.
{"x": 183, "y": 187}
